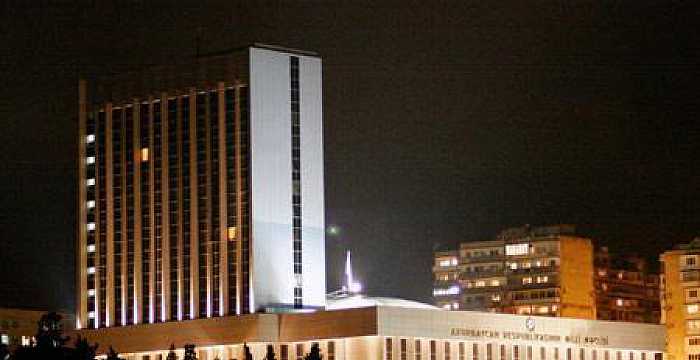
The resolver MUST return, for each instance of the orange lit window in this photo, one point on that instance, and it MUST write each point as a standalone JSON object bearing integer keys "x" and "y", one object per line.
{"x": 144, "y": 154}
{"x": 232, "y": 233}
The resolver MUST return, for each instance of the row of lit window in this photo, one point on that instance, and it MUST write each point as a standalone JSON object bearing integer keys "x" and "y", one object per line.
{"x": 482, "y": 283}
{"x": 529, "y": 265}
{"x": 452, "y": 290}
{"x": 541, "y": 310}
{"x": 539, "y": 279}
{"x": 448, "y": 262}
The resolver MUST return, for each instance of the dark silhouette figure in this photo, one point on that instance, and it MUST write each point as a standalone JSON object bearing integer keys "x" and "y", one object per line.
{"x": 83, "y": 350}
{"x": 315, "y": 353}
{"x": 246, "y": 350}
{"x": 112, "y": 355}
{"x": 189, "y": 352}
{"x": 171, "y": 353}
{"x": 4, "y": 352}
{"x": 49, "y": 333}
{"x": 270, "y": 355}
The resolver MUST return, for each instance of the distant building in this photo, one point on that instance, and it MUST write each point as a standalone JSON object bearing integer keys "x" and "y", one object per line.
{"x": 540, "y": 270}
{"x": 680, "y": 300}
{"x": 18, "y": 326}
{"x": 625, "y": 289}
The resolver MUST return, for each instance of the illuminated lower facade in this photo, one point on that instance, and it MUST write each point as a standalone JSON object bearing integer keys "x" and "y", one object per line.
{"x": 391, "y": 333}
{"x": 201, "y": 189}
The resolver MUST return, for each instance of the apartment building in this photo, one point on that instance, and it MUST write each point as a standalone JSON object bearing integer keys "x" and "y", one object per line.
{"x": 680, "y": 300}
{"x": 527, "y": 270}
{"x": 626, "y": 290}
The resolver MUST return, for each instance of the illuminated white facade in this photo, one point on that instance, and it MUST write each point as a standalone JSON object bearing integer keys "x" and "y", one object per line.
{"x": 393, "y": 329}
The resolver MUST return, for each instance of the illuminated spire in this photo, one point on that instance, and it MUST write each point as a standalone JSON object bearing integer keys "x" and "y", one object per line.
{"x": 351, "y": 285}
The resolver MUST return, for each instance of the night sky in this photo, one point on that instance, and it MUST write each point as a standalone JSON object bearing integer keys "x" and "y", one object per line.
{"x": 444, "y": 121}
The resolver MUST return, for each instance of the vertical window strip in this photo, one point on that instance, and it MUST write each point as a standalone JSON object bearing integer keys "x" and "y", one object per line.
{"x": 144, "y": 137}
{"x": 231, "y": 199}
{"x": 186, "y": 201}
{"x": 173, "y": 189}
{"x": 296, "y": 178}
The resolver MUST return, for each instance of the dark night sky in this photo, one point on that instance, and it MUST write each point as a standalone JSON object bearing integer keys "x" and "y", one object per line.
{"x": 443, "y": 122}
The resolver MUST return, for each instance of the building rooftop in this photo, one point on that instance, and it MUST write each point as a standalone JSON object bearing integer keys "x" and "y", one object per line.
{"x": 362, "y": 301}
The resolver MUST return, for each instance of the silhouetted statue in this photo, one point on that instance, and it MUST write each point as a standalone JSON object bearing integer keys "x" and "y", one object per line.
{"x": 270, "y": 355}
{"x": 4, "y": 352}
{"x": 83, "y": 350}
{"x": 246, "y": 351}
{"x": 112, "y": 355}
{"x": 50, "y": 332}
{"x": 171, "y": 353}
{"x": 315, "y": 353}
{"x": 189, "y": 352}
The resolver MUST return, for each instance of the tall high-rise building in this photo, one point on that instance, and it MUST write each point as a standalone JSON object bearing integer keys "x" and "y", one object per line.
{"x": 680, "y": 300}
{"x": 201, "y": 189}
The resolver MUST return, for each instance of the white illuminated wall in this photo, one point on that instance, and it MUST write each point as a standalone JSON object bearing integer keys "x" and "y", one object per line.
{"x": 271, "y": 180}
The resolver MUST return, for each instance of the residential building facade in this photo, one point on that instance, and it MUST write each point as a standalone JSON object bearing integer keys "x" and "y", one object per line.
{"x": 540, "y": 271}
{"x": 625, "y": 288}
{"x": 680, "y": 300}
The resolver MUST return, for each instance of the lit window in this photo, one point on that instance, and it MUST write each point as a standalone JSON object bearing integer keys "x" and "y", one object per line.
{"x": 517, "y": 249}
{"x": 543, "y": 309}
{"x": 91, "y": 270}
{"x": 91, "y": 204}
{"x": 620, "y": 275}
{"x": 496, "y": 297}
{"x": 693, "y": 324}
{"x": 495, "y": 283}
{"x": 480, "y": 283}
{"x": 538, "y": 263}
{"x": 514, "y": 266}
{"x": 90, "y": 160}
{"x": 690, "y": 261}
{"x": 452, "y": 290}
{"x": 604, "y": 286}
{"x": 90, "y": 138}
{"x": 91, "y": 292}
{"x": 5, "y": 339}
{"x": 527, "y": 265}
{"x": 91, "y": 248}
{"x": 232, "y": 233}
{"x": 527, "y": 280}
{"x": 91, "y": 182}
{"x": 619, "y": 302}
{"x": 453, "y": 261}
{"x": 91, "y": 226}
{"x": 692, "y": 309}
{"x": 26, "y": 340}
{"x": 91, "y": 314}
{"x": 144, "y": 154}
{"x": 446, "y": 307}
{"x": 455, "y": 305}
{"x": 542, "y": 279}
